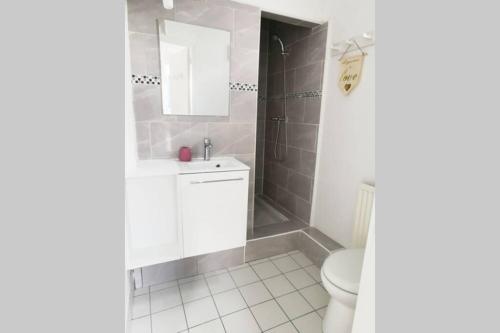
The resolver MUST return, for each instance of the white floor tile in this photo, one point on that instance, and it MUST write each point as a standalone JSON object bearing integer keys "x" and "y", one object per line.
{"x": 300, "y": 279}
{"x": 279, "y": 285}
{"x": 322, "y": 312}
{"x": 301, "y": 259}
{"x": 165, "y": 285}
{"x": 255, "y": 293}
{"x": 141, "y": 325}
{"x": 314, "y": 272}
{"x": 191, "y": 279}
{"x": 141, "y": 291}
{"x": 316, "y": 296}
{"x": 229, "y": 301}
{"x": 200, "y": 311}
{"x": 220, "y": 283}
{"x": 194, "y": 290}
{"x": 268, "y": 315}
{"x": 244, "y": 276}
{"x": 165, "y": 299}
{"x": 169, "y": 321}
{"x": 294, "y": 305}
{"x": 140, "y": 306}
{"x": 214, "y": 326}
{"x": 266, "y": 270}
{"x": 240, "y": 322}
{"x": 285, "y": 328}
{"x": 286, "y": 264}
{"x": 310, "y": 323}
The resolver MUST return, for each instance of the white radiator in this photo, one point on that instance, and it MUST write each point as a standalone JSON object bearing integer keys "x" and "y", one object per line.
{"x": 363, "y": 214}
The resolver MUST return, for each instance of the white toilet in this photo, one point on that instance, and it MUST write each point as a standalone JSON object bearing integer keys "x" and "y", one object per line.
{"x": 341, "y": 273}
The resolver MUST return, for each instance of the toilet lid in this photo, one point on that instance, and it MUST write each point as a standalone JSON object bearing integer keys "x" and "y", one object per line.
{"x": 343, "y": 269}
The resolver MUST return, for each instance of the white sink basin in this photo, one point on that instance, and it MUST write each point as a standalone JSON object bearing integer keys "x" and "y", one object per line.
{"x": 217, "y": 164}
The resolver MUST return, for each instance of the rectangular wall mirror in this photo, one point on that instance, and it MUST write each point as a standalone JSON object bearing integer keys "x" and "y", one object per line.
{"x": 194, "y": 63}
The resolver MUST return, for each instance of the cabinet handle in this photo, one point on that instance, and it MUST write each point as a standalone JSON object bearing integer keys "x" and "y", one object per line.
{"x": 215, "y": 181}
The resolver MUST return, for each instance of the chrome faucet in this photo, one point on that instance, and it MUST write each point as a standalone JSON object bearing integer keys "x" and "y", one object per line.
{"x": 207, "y": 149}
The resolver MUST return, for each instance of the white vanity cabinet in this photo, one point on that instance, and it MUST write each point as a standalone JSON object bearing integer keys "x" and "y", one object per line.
{"x": 179, "y": 209}
{"x": 213, "y": 211}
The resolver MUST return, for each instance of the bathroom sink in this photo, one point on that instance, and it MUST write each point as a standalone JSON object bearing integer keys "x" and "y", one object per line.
{"x": 219, "y": 164}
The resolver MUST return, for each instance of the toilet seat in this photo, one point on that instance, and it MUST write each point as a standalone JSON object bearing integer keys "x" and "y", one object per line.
{"x": 343, "y": 269}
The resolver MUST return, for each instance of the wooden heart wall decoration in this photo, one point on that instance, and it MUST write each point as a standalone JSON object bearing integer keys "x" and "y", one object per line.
{"x": 350, "y": 73}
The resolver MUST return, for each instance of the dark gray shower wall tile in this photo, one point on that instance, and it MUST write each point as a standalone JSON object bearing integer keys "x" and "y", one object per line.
{"x": 316, "y": 46}
{"x": 271, "y": 131}
{"x": 296, "y": 108}
{"x": 275, "y": 62}
{"x": 307, "y": 163}
{"x": 275, "y": 85}
{"x": 243, "y": 107}
{"x": 309, "y": 78}
{"x": 274, "y": 108}
{"x": 300, "y": 185}
{"x": 261, "y": 128}
{"x": 270, "y": 189}
{"x": 303, "y": 136}
{"x": 276, "y": 173}
{"x": 246, "y": 29}
{"x": 297, "y": 55}
{"x": 286, "y": 199}
{"x": 303, "y": 209}
{"x": 290, "y": 81}
{"x": 144, "y": 53}
{"x": 312, "y": 110}
{"x": 142, "y": 15}
{"x": 147, "y": 102}
{"x": 230, "y": 138}
{"x": 292, "y": 160}
{"x": 258, "y": 186}
{"x": 244, "y": 65}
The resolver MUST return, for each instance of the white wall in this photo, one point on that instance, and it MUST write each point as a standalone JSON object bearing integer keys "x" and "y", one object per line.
{"x": 307, "y": 10}
{"x": 346, "y": 151}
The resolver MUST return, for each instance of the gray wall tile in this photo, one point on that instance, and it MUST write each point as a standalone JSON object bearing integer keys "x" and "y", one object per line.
{"x": 219, "y": 260}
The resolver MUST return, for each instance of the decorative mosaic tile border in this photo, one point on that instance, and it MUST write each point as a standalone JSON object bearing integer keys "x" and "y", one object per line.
{"x": 315, "y": 93}
{"x": 304, "y": 94}
{"x": 146, "y": 79}
{"x": 155, "y": 80}
{"x": 242, "y": 86}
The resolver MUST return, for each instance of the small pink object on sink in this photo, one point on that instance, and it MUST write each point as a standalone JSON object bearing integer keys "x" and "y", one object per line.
{"x": 185, "y": 154}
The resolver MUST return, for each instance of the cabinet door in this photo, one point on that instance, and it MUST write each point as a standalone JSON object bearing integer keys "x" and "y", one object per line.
{"x": 213, "y": 210}
{"x": 153, "y": 232}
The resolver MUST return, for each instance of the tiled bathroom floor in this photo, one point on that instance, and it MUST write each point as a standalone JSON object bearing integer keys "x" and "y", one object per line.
{"x": 281, "y": 294}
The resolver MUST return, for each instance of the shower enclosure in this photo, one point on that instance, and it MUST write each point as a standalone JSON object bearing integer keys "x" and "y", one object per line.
{"x": 289, "y": 103}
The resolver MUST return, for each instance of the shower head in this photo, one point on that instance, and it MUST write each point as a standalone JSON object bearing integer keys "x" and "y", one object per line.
{"x": 275, "y": 37}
